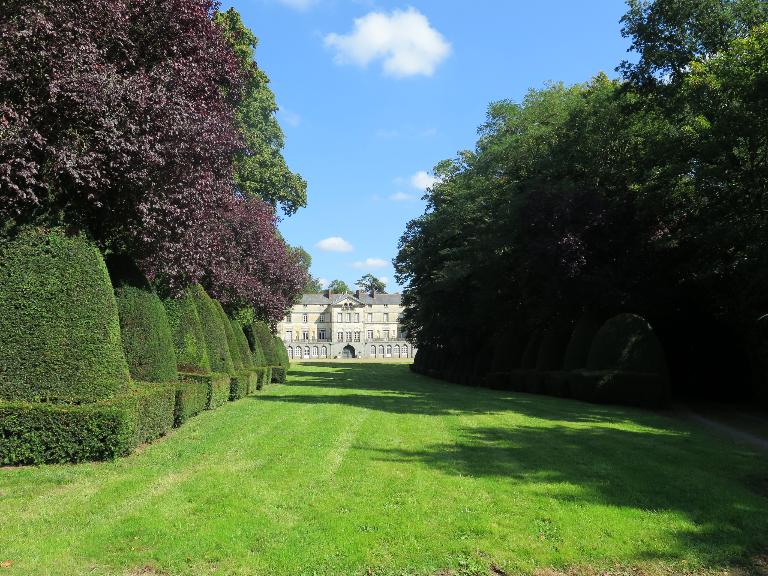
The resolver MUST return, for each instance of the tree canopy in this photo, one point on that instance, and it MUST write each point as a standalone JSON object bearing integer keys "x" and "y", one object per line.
{"x": 370, "y": 283}
{"x": 338, "y": 286}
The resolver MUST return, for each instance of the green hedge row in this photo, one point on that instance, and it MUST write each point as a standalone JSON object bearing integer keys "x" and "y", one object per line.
{"x": 187, "y": 333}
{"x": 278, "y": 374}
{"x": 59, "y": 329}
{"x": 213, "y": 331}
{"x": 155, "y": 408}
{"x": 623, "y": 363}
{"x": 191, "y": 399}
{"x": 217, "y": 387}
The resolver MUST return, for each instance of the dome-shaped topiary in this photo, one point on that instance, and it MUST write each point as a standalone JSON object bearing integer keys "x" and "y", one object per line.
{"x": 213, "y": 331}
{"x": 59, "y": 328}
{"x": 234, "y": 351}
{"x": 144, "y": 326}
{"x": 242, "y": 345}
{"x": 628, "y": 343}
{"x": 259, "y": 359}
{"x": 552, "y": 347}
{"x": 577, "y": 351}
{"x": 187, "y": 333}
{"x": 282, "y": 352}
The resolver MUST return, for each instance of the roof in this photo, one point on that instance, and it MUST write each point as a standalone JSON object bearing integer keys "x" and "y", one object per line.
{"x": 364, "y": 298}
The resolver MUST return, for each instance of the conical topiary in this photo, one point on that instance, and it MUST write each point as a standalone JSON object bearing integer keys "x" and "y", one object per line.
{"x": 213, "y": 331}
{"x": 59, "y": 329}
{"x": 187, "y": 333}
{"x": 242, "y": 345}
{"x": 234, "y": 351}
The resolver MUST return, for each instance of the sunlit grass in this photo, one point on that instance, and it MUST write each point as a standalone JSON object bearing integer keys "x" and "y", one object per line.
{"x": 362, "y": 468}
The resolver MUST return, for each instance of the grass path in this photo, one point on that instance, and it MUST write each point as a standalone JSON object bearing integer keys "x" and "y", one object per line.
{"x": 370, "y": 469}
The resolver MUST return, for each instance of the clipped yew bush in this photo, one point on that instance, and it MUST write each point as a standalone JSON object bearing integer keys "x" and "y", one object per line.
{"x": 577, "y": 351}
{"x": 187, "y": 333}
{"x": 234, "y": 351}
{"x": 191, "y": 399}
{"x": 144, "y": 326}
{"x": 242, "y": 345}
{"x": 213, "y": 331}
{"x": 59, "y": 328}
{"x": 263, "y": 337}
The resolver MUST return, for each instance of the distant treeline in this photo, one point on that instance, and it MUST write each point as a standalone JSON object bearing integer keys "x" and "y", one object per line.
{"x": 645, "y": 194}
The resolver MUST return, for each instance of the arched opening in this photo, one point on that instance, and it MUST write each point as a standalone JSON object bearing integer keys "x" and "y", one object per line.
{"x": 315, "y": 352}
{"x": 389, "y": 351}
{"x": 381, "y": 351}
{"x": 348, "y": 352}
{"x": 306, "y": 352}
{"x": 324, "y": 351}
{"x": 396, "y": 351}
{"x": 290, "y": 351}
{"x": 373, "y": 351}
{"x": 298, "y": 352}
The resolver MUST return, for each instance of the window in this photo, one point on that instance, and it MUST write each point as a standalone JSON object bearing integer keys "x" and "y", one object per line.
{"x": 357, "y": 336}
{"x": 386, "y": 334}
{"x": 349, "y": 336}
{"x": 389, "y": 351}
{"x": 373, "y": 351}
{"x": 305, "y": 318}
{"x": 357, "y": 317}
{"x": 370, "y": 334}
{"x": 321, "y": 318}
{"x": 404, "y": 353}
{"x": 370, "y": 316}
{"x": 298, "y": 352}
{"x": 349, "y": 317}
{"x": 339, "y": 317}
{"x": 306, "y": 352}
{"x": 305, "y": 335}
{"x": 381, "y": 351}
{"x": 386, "y": 316}
{"x": 321, "y": 334}
{"x": 340, "y": 337}
{"x": 396, "y": 351}
{"x": 290, "y": 352}
{"x": 288, "y": 317}
{"x": 314, "y": 352}
{"x": 288, "y": 336}
{"x": 324, "y": 351}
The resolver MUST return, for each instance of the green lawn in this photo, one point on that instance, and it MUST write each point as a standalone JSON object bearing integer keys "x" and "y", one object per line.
{"x": 368, "y": 469}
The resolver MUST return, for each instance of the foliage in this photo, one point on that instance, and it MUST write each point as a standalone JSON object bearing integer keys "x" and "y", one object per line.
{"x": 645, "y": 194}
{"x": 217, "y": 388}
{"x": 155, "y": 406}
{"x": 234, "y": 349}
{"x": 213, "y": 331}
{"x": 266, "y": 343}
{"x": 146, "y": 332}
{"x": 187, "y": 332}
{"x": 370, "y": 283}
{"x": 191, "y": 399}
{"x": 278, "y": 374}
{"x": 282, "y": 352}
{"x": 249, "y": 264}
{"x": 627, "y": 342}
{"x": 260, "y": 169}
{"x": 49, "y": 433}
{"x": 243, "y": 349}
{"x": 584, "y": 331}
{"x": 117, "y": 118}
{"x": 338, "y": 287}
{"x": 59, "y": 328}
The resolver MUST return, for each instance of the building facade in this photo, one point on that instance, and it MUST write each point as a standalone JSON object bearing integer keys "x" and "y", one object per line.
{"x": 359, "y": 325}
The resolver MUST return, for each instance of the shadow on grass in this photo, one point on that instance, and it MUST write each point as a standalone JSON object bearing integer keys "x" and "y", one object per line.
{"x": 660, "y": 465}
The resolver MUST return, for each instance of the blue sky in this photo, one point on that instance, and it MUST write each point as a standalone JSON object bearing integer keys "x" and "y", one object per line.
{"x": 374, "y": 93}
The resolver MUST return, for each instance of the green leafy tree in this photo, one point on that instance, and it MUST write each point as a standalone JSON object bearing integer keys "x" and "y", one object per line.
{"x": 370, "y": 283}
{"x": 338, "y": 286}
{"x": 261, "y": 170}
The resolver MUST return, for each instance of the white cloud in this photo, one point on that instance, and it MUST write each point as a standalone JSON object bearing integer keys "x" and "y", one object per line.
{"x": 370, "y": 263}
{"x": 298, "y": 4}
{"x": 334, "y": 244}
{"x": 404, "y": 40}
{"x": 401, "y": 197}
{"x": 421, "y": 180}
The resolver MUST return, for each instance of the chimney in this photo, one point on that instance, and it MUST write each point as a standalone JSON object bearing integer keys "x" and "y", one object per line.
{"x": 328, "y": 293}
{"x": 357, "y": 294}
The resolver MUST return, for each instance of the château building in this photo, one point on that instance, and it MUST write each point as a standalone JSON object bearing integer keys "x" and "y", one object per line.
{"x": 359, "y": 325}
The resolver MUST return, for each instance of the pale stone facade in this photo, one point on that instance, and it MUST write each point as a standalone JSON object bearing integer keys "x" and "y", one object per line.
{"x": 359, "y": 325}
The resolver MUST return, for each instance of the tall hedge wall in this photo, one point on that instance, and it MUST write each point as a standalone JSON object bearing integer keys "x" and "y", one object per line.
{"x": 187, "y": 333}
{"x": 234, "y": 351}
{"x": 147, "y": 339}
{"x": 584, "y": 332}
{"x": 59, "y": 328}
{"x": 213, "y": 331}
{"x": 282, "y": 352}
{"x": 264, "y": 338}
{"x": 259, "y": 359}
{"x": 242, "y": 345}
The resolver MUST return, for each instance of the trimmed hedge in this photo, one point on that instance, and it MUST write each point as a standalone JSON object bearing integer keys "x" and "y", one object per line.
{"x": 577, "y": 351}
{"x": 59, "y": 329}
{"x": 531, "y": 351}
{"x": 648, "y": 390}
{"x": 217, "y": 387}
{"x": 282, "y": 352}
{"x": 261, "y": 376}
{"x": 234, "y": 350}
{"x": 213, "y": 331}
{"x": 627, "y": 342}
{"x": 56, "y": 433}
{"x": 278, "y": 374}
{"x": 263, "y": 336}
{"x": 191, "y": 399}
{"x": 242, "y": 345}
{"x": 552, "y": 348}
{"x": 188, "y": 336}
{"x": 155, "y": 407}
{"x": 146, "y": 334}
